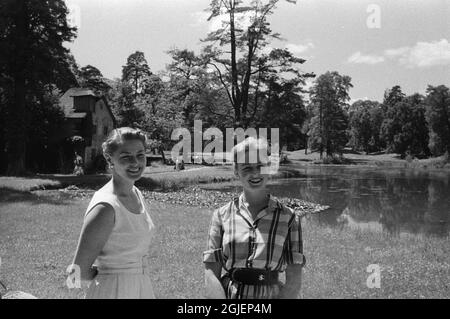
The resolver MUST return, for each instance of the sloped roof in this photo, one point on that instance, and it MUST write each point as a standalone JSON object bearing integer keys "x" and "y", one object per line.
{"x": 82, "y": 92}
{"x": 66, "y": 102}
{"x": 76, "y": 115}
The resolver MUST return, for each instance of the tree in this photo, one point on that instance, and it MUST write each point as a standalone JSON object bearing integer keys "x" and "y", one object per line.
{"x": 438, "y": 117}
{"x": 32, "y": 58}
{"x": 364, "y": 125}
{"x": 329, "y": 96}
{"x": 130, "y": 99}
{"x": 188, "y": 80}
{"x": 136, "y": 72}
{"x": 234, "y": 52}
{"x": 91, "y": 77}
{"x": 391, "y": 97}
{"x": 404, "y": 128}
{"x": 44, "y": 131}
{"x": 376, "y": 120}
{"x": 283, "y": 107}
{"x": 126, "y": 110}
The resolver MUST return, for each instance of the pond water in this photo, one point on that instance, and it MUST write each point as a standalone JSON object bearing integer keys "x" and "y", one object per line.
{"x": 398, "y": 201}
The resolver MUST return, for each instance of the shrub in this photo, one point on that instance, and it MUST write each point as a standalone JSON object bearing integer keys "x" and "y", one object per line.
{"x": 336, "y": 159}
{"x": 409, "y": 158}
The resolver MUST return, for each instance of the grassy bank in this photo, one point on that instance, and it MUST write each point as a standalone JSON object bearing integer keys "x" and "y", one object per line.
{"x": 161, "y": 178}
{"x": 379, "y": 160}
{"x": 40, "y": 231}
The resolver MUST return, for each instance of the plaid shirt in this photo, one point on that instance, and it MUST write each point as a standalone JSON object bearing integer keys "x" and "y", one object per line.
{"x": 271, "y": 241}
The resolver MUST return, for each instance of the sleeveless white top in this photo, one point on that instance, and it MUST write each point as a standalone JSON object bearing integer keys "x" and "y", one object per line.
{"x": 130, "y": 238}
{"x": 123, "y": 262}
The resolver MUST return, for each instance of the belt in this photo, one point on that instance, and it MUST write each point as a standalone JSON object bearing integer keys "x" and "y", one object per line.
{"x": 140, "y": 268}
{"x": 254, "y": 276}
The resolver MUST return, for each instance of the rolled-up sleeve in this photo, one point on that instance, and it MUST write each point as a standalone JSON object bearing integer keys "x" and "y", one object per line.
{"x": 293, "y": 249}
{"x": 214, "y": 252}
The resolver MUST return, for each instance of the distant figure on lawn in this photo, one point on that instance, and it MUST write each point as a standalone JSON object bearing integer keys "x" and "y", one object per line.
{"x": 116, "y": 235}
{"x": 254, "y": 237}
{"x": 179, "y": 164}
{"x": 78, "y": 162}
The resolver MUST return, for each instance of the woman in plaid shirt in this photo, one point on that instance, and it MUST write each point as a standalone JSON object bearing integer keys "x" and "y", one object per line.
{"x": 253, "y": 238}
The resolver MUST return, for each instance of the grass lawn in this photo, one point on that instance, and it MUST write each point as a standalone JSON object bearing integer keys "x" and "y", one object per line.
{"x": 40, "y": 232}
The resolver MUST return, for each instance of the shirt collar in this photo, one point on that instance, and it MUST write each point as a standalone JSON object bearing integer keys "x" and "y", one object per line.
{"x": 271, "y": 206}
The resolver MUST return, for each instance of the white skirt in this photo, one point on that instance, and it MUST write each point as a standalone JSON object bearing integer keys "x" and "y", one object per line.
{"x": 120, "y": 286}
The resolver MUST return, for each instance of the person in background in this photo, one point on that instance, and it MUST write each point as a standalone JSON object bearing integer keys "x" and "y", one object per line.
{"x": 253, "y": 238}
{"x": 78, "y": 163}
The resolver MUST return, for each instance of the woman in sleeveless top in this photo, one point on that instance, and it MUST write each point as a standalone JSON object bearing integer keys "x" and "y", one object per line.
{"x": 113, "y": 248}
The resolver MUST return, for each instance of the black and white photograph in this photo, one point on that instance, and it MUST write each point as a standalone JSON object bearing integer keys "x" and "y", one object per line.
{"x": 224, "y": 149}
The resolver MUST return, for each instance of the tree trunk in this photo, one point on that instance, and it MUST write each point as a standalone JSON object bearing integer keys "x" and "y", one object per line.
{"x": 321, "y": 130}
{"x": 306, "y": 145}
{"x": 161, "y": 150}
{"x": 235, "y": 92}
{"x": 246, "y": 82}
{"x": 16, "y": 124}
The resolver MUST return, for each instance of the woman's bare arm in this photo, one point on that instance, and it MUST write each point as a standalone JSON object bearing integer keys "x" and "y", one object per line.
{"x": 293, "y": 285}
{"x": 213, "y": 287}
{"x": 94, "y": 234}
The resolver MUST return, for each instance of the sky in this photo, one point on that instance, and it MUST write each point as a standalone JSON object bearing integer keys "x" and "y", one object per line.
{"x": 378, "y": 43}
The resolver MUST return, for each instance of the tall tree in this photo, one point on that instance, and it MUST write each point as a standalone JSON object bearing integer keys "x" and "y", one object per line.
{"x": 404, "y": 128}
{"x": 33, "y": 58}
{"x": 126, "y": 109}
{"x": 284, "y": 108}
{"x": 234, "y": 50}
{"x": 187, "y": 81}
{"x": 329, "y": 96}
{"x": 364, "y": 125}
{"x": 376, "y": 120}
{"x": 44, "y": 131}
{"x": 391, "y": 97}
{"x": 136, "y": 72}
{"x": 438, "y": 117}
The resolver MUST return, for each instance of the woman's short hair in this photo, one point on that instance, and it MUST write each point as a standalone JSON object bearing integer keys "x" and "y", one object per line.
{"x": 118, "y": 135}
{"x": 250, "y": 146}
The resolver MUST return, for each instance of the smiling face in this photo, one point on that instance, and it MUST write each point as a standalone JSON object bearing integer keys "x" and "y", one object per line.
{"x": 250, "y": 175}
{"x": 129, "y": 161}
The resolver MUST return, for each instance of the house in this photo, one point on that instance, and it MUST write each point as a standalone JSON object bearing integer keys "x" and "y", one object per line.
{"x": 88, "y": 121}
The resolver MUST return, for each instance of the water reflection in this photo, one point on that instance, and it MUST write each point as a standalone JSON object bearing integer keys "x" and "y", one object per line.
{"x": 394, "y": 200}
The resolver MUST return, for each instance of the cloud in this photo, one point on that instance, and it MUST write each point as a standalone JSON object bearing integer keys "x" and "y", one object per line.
{"x": 359, "y": 58}
{"x": 359, "y": 99}
{"x": 299, "y": 48}
{"x": 392, "y": 53}
{"x": 422, "y": 54}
